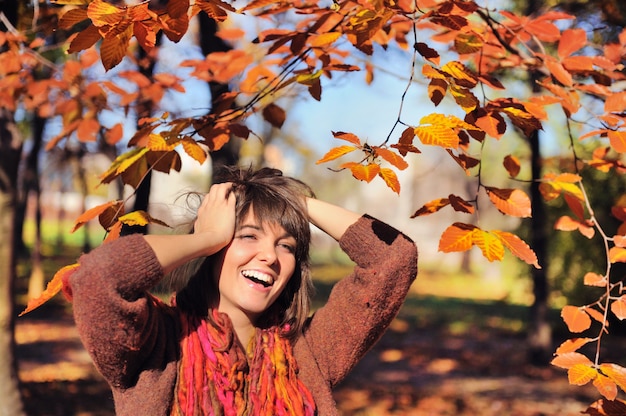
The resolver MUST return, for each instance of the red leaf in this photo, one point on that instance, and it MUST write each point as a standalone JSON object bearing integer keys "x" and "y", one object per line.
{"x": 274, "y": 114}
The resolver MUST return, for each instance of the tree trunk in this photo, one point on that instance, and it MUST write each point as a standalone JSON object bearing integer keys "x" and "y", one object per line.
{"x": 10, "y": 151}
{"x": 209, "y": 42}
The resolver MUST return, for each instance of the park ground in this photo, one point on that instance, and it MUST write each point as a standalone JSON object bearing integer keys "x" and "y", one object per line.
{"x": 443, "y": 355}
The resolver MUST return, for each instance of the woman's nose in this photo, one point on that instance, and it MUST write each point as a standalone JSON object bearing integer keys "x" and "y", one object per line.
{"x": 267, "y": 252}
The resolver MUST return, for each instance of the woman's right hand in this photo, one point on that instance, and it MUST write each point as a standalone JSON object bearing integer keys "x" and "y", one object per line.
{"x": 214, "y": 229}
{"x": 216, "y": 217}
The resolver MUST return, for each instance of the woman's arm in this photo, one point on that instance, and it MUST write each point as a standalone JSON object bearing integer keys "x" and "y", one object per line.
{"x": 213, "y": 230}
{"x": 331, "y": 219}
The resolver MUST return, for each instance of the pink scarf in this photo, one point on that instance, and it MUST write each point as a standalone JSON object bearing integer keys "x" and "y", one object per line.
{"x": 216, "y": 378}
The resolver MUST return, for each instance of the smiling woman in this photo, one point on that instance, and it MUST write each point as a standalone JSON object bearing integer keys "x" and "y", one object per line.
{"x": 238, "y": 338}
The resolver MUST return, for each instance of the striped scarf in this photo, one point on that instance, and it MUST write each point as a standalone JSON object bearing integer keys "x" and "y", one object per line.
{"x": 216, "y": 378}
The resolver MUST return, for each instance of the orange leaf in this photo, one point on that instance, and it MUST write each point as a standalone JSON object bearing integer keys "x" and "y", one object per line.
{"x": 513, "y": 202}
{"x": 597, "y": 315}
{"x": 617, "y": 255}
{"x": 87, "y": 130}
{"x": 595, "y": 279}
{"x": 581, "y": 374}
{"x": 53, "y": 287}
{"x": 572, "y": 345}
{"x": 512, "y": 165}
{"x": 457, "y": 237}
{"x": 390, "y": 178}
{"x": 391, "y": 157}
{"x": 92, "y": 213}
{"x": 113, "y": 48}
{"x": 102, "y": 13}
{"x": 570, "y": 359}
{"x": 617, "y": 138}
{"x": 114, "y": 134}
{"x": 362, "y": 172}
{"x": 615, "y": 103}
{"x": 560, "y": 73}
{"x": 567, "y": 223}
{"x": 518, "y": 248}
{"x": 605, "y": 386}
{"x": 349, "y": 137}
{"x": 493, "y": 124}
{"x": 575, "y": 318}
{"x": 618, "y": 307}
{"x": 431, "y": 207}
{"x": 336, "y": 152}
{"x": 615, "y": 373}
{"x": 490, "y": 245}
{"x": 571, "y": 41}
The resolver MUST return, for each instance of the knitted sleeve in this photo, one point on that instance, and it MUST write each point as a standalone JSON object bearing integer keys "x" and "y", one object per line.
{"x": 115, "y": 317}
{"x": 362, "y": 305}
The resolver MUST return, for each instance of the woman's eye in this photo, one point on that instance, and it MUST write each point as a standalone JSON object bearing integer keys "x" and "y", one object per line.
{"x": 290, "y": 248}
{"x": 247, "y": 236}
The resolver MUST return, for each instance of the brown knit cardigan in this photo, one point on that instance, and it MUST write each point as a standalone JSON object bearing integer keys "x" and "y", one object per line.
{"x": 135, "y": 345}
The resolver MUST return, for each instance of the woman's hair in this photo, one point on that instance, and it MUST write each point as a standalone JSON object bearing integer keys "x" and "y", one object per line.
{"x": 273, "y": 198}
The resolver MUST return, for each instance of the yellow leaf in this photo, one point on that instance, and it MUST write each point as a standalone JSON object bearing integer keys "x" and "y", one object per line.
{"x": 450, "y": 121}
{"x": 324, "y": 39}
{"x": 309, "y": 79}
{"x": 390, "y": 178}
{"x": 135, "y": 218}
{"x": 123, "y": 162}
{"x": 336, "y": 152}
{"x": 575, "y": 318}
{"x": 457, "y": 237}
{"x": 102, "y": 13}
{"x": 464, "y": 97}
{"x": 490, "y": 245}
{"x": 605, "y": 386}
{"x": 157, "y": 143}
{"x": 193, "y": 149}
{"x": 461, "y": 74}
{"x": 54, "y": 286}
{"x": 437, "y": 135}
{"x": 580, "y": 374}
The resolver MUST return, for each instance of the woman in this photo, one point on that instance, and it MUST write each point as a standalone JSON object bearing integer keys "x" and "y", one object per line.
{"x": 238, "y": 340}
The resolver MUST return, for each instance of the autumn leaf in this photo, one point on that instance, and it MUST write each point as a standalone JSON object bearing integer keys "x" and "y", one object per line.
{"x": 595, "y": 279}
{"x": 512, "y": 165}
{"x": 518, "y": 248}
{"x": 194, "y": 150}
{"x": 362, "y": 172}
{"x": 490, "y": 245}
{"x": 617, "y": 138}
{"x": 575, "y": 318}
{"x": 617, "y": 255}
{"x": 493, "y": 124}
{"x": 460, "y": 205}
{"x": 572, "y": 345}
{"x": 349, "y": 137}
{"x": 615, "y": 103}
{"x": 512, "y": 202}
{"x": 431, "y": 207}
{"x": 571, "y": 40}
{"x": 457, "y": 237}
{"x": 390, "y": 178}
{"x": 581, "y": 374}
{"x": 391, "y": 157}
{"x": 618, "y": 307}
{"x": 54, "y": 286}
{"x": 438, "y": 135}
{"x": 616, "y": 373}
{"x": 570, "y": 359}
{"x": 274, "y": 114}
{"x": 605, "y": 386}
{"x": 567, "y": 223}
{"x": 92, "y": 213}
{"x": 336, "y": 152}
{"x": 122, "y": 163}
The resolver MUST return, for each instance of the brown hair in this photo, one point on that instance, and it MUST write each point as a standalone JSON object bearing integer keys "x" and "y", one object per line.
{"x": 276, "y": 199}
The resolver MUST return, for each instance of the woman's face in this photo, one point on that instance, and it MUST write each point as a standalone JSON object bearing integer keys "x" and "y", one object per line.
{"x": 254, "y": 268}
